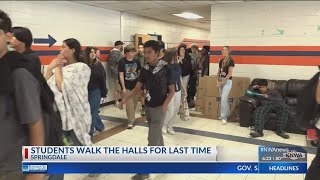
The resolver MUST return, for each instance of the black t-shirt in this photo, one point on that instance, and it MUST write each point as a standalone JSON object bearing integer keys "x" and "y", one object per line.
{"x": 225, "y": 70}
{"x": 157, "y": 84}
{"x": 131, "y": 72}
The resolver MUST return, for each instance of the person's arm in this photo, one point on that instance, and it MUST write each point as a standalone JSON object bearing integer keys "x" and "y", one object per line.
{"x": 48, "y": 74}
{"x": 169, "y": 98}
{"x": 121, "y": 71}
{"x": 103, "y": 79}
{"x": 273, "y": 96}
{"x": 36, "y": 133}
{"x": 184, "y": 89}
{"x": 121, "y": 77}
{"x": 318, "y": 92}
{"x": 219, "y": 71}
{"x": 59, "y": 78}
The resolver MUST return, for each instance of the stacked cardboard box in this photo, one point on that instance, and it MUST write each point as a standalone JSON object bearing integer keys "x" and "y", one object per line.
{"x": 200, "y": 95}
{"x": 208, "y": 96}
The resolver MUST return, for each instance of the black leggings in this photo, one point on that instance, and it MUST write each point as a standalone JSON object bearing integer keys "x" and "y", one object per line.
{"x": 314, "y": 169}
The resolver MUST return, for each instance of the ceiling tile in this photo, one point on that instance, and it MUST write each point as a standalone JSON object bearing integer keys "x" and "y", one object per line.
{"x": 176, "y": 4}
{"x": 201, "y": 3}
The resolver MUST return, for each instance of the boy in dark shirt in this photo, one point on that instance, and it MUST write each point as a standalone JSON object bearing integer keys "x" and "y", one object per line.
{"x": 20, "y": 109}
{"x": 272, "y": 101}
{"x": 156, "y": 77}
{"x": 128, "y": 75}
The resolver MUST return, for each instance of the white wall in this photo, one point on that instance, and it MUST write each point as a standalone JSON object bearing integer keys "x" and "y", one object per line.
{"x": 62, "y": 19}
{"x": 92, "y": 26}
{"x": 256, "y": 23}
{"x": 172, "y": 33}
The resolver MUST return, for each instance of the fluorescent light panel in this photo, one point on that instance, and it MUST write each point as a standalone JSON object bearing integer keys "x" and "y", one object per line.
{"x": 188, "y": 15}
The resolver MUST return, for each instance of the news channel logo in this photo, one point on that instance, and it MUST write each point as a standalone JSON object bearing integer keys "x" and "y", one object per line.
{"x": 294, "y": 155}
{"x": 282, "y": 154}
{"x": 34, "y": 168}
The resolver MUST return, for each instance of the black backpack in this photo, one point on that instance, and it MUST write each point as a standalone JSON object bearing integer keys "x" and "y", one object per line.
{"x": 307, "y": 107}
{"x": 51, "y": 118}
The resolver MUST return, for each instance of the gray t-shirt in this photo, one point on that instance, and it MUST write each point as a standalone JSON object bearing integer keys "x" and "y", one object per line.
{"x": 18, "y": 110}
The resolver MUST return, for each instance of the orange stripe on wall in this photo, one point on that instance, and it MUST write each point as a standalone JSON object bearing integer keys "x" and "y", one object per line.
{"x": 268, "y": 48}
{"x": 57, "y": 48}
{"x": 273, "y": 60}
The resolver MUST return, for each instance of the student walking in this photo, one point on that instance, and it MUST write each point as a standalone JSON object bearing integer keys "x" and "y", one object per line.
{"x": 128, "y": 74}
{"x": 96, "y": 88}
{"x": 68, "y": 78}
{"x": 174, "y": 105}
{"x": 21, "y": 119}
{"x": 156, "y": 77}
{"x": 21, "y": 42}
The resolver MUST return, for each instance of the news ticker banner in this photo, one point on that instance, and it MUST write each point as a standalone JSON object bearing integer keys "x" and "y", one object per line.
{"x": 156, "y": 159}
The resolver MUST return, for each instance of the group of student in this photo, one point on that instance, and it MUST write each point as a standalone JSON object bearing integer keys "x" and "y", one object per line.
{"x": 74, "y": 83}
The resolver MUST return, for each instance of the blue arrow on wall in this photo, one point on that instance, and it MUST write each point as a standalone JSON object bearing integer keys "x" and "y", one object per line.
{"x": 50, "y": 40}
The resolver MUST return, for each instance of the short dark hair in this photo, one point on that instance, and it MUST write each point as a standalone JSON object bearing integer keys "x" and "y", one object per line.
{"x": 171, "y": 55}
{"x": 117, "y": 43}
{"x": 263, "y": 82}
{"x": 152, "y": 44}
{"x": 5, "y": 22}
{"x": 140, "y": 44}
{"x": 24, "y": 35}
{"x": 74, "y": 44}
{"x": 161, "y": 44}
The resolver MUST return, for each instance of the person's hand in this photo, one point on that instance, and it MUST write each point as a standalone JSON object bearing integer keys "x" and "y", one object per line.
{"x": 265, "y": 95}
{"x": 34, "y": 177}
{"x": 124, "y": 91}
{"x": 164, "y": 108}
{"x": 255, "y": 86}
{"x": 185, "y": 93}
{"x": 121, "y": 104}
{"x": 58, "y": 61}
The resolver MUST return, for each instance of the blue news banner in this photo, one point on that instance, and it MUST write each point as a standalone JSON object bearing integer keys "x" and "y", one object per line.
{"x": 272, "y": 160}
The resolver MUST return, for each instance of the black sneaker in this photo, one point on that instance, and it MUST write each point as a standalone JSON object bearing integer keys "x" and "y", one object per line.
{"x": 141, "y": 177}
{"x": 282, "y": 134}
{"x": 256, "y": 134}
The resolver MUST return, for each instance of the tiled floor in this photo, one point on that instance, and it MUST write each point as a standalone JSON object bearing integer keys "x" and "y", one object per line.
{"x": 138, "y": 137}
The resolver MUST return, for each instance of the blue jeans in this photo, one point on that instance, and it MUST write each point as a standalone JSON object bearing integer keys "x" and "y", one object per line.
{"x": 224, "y": 93}
{"x": 94, "y": 100}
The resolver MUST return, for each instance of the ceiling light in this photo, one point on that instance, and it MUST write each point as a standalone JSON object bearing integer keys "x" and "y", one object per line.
{"x": 188, "y": 15}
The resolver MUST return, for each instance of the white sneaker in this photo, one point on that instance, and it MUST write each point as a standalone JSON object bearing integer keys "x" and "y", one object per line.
{"x": 219, "y": 118}
{"x": 171, "y": 131}
{"x": 224, "y": 121}
{"x": 116, "y": 104}
{"x": 164, "y": 130}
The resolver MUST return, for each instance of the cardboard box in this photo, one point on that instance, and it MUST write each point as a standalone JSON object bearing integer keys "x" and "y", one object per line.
{"x": 200, "y": 105}
{"x": 201, "y": 93}
{"x": 202, "y": 82}
{"x": 212, "y": 89}
{"x": 239, "y": 86}
{"x": 213, "y": 107}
